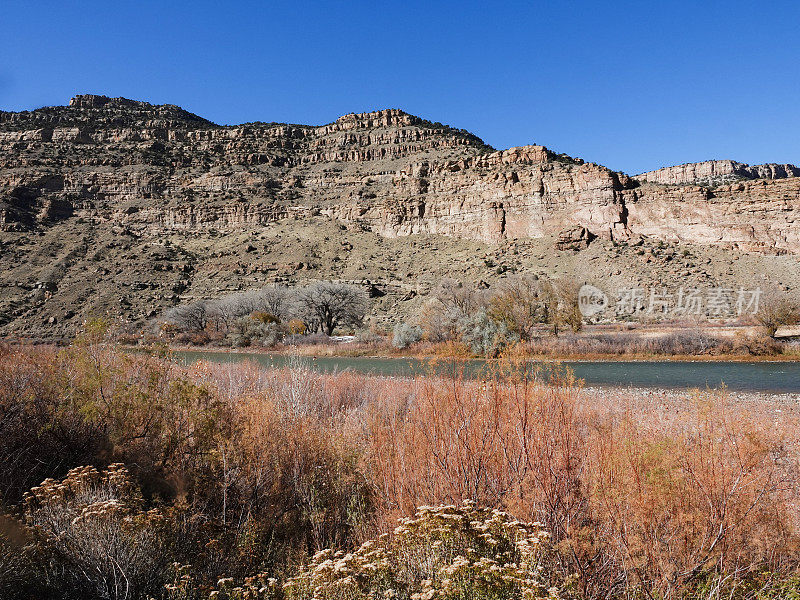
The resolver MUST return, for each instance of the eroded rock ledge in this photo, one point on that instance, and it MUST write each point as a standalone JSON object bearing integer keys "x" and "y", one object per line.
{"x": 717, "y": 172}
{"x": 147, "y": 168}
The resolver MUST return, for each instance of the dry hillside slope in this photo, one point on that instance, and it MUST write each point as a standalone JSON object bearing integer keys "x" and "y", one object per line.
{"x": 116, "y": 206}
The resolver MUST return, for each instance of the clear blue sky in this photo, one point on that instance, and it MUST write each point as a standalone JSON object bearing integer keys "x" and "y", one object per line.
{"x": 632, "y": 85}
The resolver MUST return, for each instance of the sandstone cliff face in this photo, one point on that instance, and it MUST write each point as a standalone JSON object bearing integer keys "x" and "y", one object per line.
{"x": 716, "y": 172}
{"x": 147, "y": 169}
{"x": 501, "y": 195}
{"x": 758, "y": 215}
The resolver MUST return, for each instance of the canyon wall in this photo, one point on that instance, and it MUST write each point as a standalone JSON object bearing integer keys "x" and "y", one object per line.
{"x": 146, "y": 169}
{"x": 717, "y": 172}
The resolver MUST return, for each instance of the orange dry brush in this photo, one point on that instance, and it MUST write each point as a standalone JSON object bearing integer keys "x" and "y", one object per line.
{"x": 643, "y": 496}
{"x": 714, "y": 489}
{"x": 513, "y": 445}
{"x": 634, "y": 501}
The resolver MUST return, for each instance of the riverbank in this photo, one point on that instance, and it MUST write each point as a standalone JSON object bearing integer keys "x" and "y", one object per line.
{"x": 607, "y": 342}
{"x": 661, "y": 402}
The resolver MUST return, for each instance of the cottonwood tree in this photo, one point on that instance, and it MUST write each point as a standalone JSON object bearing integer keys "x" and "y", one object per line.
{"x": 326, "y": 305}
{"x": 275, "y": 300}
{"x": 522, "y": 305}
{"x": 191, "y": 317}
{"x": 561, "y": 302}
{"x": 462, "y": 298}
{"x": 226, "y": 311}
{"x": 451, "y": 303}
{"x": 777, "y": 310}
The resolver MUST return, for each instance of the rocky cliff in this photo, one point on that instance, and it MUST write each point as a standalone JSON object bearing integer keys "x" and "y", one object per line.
{"x": 119, "y": 174}
{"x": 148, "y": 168}
{"x": 718, "y": 172}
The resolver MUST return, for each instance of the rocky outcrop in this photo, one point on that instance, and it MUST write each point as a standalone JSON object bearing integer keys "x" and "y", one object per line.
{"x": 753, "y": 215}
{"x": 149, "y": 169}
{"x": 574, "y": 238}
{"x": 717, "y": 172}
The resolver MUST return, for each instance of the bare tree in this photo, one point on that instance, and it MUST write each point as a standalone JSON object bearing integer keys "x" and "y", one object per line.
{"x": 451, "y": 302}
{"x": 326, "y": 305}
{"x": 525, "y": 302}
{"x": 777, "y": 310}
{"x": 190, "y": 317}
{"x": 521, "y": 304}
{"x": 275, "y": 300}
{"x": 225, "y": 311}
{"x": 561, "y": 304}
{"x": 464, "y": 299}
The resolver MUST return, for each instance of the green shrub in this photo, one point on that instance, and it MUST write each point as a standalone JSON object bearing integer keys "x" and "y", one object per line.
{"x": 486, "y": 336}
{"x": 404, "y": 335}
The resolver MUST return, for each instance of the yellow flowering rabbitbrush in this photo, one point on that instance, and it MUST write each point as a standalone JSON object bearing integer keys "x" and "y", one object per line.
{"x": 445, "y": 552}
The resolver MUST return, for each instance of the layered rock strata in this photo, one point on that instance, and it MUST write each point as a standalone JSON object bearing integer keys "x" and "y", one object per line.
{"x": 146, "y": 169}
{"x": 717, "y": 172}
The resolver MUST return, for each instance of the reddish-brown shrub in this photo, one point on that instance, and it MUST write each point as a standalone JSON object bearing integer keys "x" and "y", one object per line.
{"x": 644, "y": 498}
{"x": 711, "y": 491}
{"x": 634, "y": 502}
